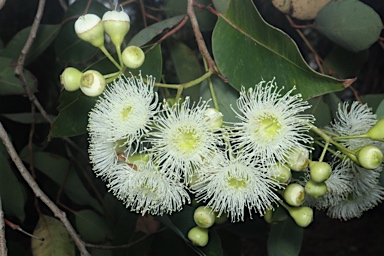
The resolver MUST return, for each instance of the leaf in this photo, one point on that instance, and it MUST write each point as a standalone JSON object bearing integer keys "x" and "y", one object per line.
{"x": 321, "y": 111}
{"x": 68, "y": 46}
{"x": 380, "y": 110}
{"x": 27, "y": 118}
{"x": 12, "y": 193}
{"x": 247, "y": 50}
{"x": 73, "y": 114}
{"x": 350, "y": 24}
{"x": 60, "y": 171}
{"x": 9, "y": 83}
{"x": 226, "y": 98}
{"x": 91, "y": 226}
{"x": 373, "y": 100}
{"x": 221, "y": 5}
{"x": 56, "y": 238}
{"x": 44, "y": 37}
{"x": 187, "y": 67}
{"x": 148, "y": 33}
{"x": 285, "y": 238}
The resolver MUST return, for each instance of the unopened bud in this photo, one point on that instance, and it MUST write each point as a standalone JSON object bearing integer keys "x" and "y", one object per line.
{"x": 294, "y": 194}
{"x": 71, "y": 78}
{"x": 198, "y": 236}
{"x": 316, "y": 189}
{"x": 370, "y": 157}
{"x": 204, "y": 217}
{"x": 319, "y": 171}
{"x": 116, "y": 25}
{"x": 92, "y": 83}
{"x": 297, "y": 159}
{"x": 377, "y": 131}
{"x": 133, "y": 57}
{"x": 281, "y": 173}
{"x": 90, "y": 29}
{"x": 214, "y": 117}
{"x": 303, "y": 216}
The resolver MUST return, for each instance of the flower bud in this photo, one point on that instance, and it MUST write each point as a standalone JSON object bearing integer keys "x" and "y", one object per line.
{"x": 204, "y": 217}
{"x": 297, "y": 159}
{"x": 90, "y": 29}
{"x": 70, "y": 79}
{"x": 92, "y": 83}
{"x": 319, "y": 171}
{"x": 116, "y": 25}
{"x": 316, "y": 189}
{"x": 377, "y": 131}
{"x": 281, "y": 173}
{"x": 268, "y": 215}
{"x": 133, "y": 57}
{"x": 303, "y": 216}
{"x": 370, "y": 157}
{"x": 294, "y": 194}
{"x": 214, "y": 117}
{"x": 198, "y": 236}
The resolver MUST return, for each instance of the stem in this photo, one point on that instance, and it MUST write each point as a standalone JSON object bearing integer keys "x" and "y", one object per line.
{"x": 361, "y": 136}
{"x": 213, "y": 95}
{"x": 185, "y": 85}
{"x": 324, "y": 150}
{"x": 118, "y": 49}
{"x": 109, "y": 56}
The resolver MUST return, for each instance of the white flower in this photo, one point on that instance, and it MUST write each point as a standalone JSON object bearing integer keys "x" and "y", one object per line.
{"x": 233, "y": 183}
{"x": 354, "y": 206}
{"x": 124, "y": 112}
{"x": 182, "y": 139}
{"x": 354, "y": 120}
{"x": 271, "y": 123}
{"x": 103, "y": 155}
{"x": 145, "y": 190}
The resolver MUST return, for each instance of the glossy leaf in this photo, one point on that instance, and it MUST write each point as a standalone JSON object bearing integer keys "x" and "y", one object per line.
{"x": 56, "y": 238}
{"x": 68, "y": 46}
{"x": 60, "y": 171}
{"x": 27, "y": 118}
{"x": 73, "y": 114}
{"x": 380, "y": 110}
{"x": 12, "y": 192}
{"x": 148, "y": 33}
{"x": 373, "y": 100}
{"x": 285, "y": 238}
{"x": 247, "y": 50}
{"x": 44, "y": 37}
{"x": 350, "y": 24}
{"x": 226, "y": 98}
{"x": 9, "y": 83}
{"x": 91, "y": 226}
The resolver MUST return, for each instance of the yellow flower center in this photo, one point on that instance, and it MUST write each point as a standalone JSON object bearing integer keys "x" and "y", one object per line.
{"x": 268, "y": 127}
{"x": 126, "y": 111}
{"x": 187, "y": 141}
{"x": 237, "y": 183}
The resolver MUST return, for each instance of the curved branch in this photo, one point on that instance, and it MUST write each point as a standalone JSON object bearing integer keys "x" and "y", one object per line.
{"x": 3, "y": 245}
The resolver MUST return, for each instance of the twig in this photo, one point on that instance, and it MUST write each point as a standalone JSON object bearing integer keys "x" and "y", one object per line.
{"x": 63, "y": 5}
{"x": 3, "y": 245}
{"x": 18, "y": 228}
{"x": 199, "y": 38}
{"x": 39, "y": 193}
{"x": 143, "y": 13}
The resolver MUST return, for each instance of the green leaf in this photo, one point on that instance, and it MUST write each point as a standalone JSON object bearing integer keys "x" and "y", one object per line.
{"x": 44, "y": 37}
{"x": 187, "y": 67}
{"x": 56, "y": 238}
{"x": 60, "y": 171}
{"x": 148, "y": 33}
{"x": 350, "y": 24}
{"x": 9, "y": 83}
{"x": 221, "y": 5}
{"x": 373, "y": 100}
{"x": 247, "y": 50}
{"x": 91, "y": 226}
{"x": 68, "y": 46}
{"x": 205, "y": 19}
{"x": 12, "y": 193}
{"x": 27, "y": 118}
{"x": 73, "y": 114}
{"x": 380, "y": 110}
{"x": 285, "y": 238}
{"x": 226, "y": 97}
{"x": 321, "y": 111}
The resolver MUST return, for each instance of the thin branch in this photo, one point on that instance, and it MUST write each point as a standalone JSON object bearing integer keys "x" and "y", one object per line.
{"x": 199, "y": 38}
{"x": 63, "y": 5}
{"x": 18, "y": 228}
{"x": 143, "y": 13}
{"x": 3, "y": 245}
{"x": 39, "y": 193}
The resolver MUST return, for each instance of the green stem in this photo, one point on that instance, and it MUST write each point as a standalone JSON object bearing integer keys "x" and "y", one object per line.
{"x": 109, "y": 56}
{"x": 116, "y": 74}
{"x": 118, "y": 50}
{"x": 213, "y": 95}
{"x": 328, "y": 139}
{"x": 324, "y": 150}
{"x": 361, "y": 136}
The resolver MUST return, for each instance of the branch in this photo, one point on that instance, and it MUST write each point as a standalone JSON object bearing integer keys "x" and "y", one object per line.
{"x": 3, "y": 245}
{"x": 199, "y": 38}
{"x": 39, "y": 193}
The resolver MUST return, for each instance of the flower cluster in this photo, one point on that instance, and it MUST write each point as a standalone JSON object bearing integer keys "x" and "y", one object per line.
{"x": 155, "y": 156}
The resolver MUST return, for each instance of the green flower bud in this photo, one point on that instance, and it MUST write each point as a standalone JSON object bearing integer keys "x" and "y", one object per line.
{"x": 90, "y": 29}
{"x": 370, "y": 157}
{"x": 377, "y": 131}
{"x": 92, "y": 83}
{"x": 116, "y": 25}
{"x": 198, "y": 236}
{"x": 303, "y": 216}
{"x": 133, "y": 57}
{"x": 70, "y": 79}
{"x": 316, "y": 189}
{"x": 319, "y": 171}
{"x": 204, "y": 217}
{"x": 294, "y": 194}
{"x": 215, "y": 117}
{"x": 297, "y": 159}
{"x": 281, "y": 173}
{"x": 268, "y": 215}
